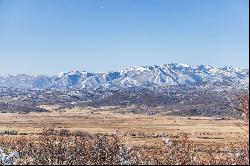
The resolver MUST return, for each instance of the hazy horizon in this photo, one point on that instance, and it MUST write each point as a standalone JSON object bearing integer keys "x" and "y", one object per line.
{"x": 49, "y": 37}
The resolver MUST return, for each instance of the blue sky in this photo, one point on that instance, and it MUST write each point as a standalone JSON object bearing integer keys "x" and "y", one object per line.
{"x": 49, "y": 36}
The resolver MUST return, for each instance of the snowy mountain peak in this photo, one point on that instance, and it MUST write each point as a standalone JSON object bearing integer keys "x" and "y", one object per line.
{"x": 72, "y": 72}
{"x": 180, "y": 65}
{"x": 142, "y": 76}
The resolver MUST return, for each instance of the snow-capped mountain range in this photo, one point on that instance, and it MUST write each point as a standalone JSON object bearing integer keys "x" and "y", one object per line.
{"x": 137, "y": 76}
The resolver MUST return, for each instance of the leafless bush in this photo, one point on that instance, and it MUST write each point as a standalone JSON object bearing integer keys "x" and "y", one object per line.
{"x": 62, "y": 148}
{"x": 89, "y": 149}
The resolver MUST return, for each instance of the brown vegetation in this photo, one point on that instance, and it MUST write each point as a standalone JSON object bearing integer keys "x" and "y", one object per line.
{"x": 65, "y": 147}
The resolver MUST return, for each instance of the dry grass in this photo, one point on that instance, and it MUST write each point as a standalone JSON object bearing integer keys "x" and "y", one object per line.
{"x": 195, "y": 141}
{"x": 200, "y": 130}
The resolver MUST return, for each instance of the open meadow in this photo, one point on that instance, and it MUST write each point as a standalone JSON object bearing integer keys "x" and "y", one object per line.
{"x": 137, "y": 129}
{"x": 113, "y": 135}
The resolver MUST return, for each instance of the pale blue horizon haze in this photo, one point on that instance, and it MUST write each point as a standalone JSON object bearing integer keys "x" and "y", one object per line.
{"x": 52, "y": 36}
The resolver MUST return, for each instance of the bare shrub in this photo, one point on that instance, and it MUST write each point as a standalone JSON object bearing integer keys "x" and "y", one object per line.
{"x": 53, "y": 147}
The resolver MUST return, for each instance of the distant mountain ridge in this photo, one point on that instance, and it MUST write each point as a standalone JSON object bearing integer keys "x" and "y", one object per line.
{"x": 137, "y": 76}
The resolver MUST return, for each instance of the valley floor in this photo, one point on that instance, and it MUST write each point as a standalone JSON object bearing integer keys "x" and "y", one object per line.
{"x": 137, "y": 129}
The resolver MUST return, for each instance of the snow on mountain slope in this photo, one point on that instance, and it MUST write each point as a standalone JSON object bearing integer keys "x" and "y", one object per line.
{"x": 146, "y": 76}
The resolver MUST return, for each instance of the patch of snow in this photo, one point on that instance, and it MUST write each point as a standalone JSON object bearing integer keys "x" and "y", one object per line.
{"x": 8, "y": 158}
